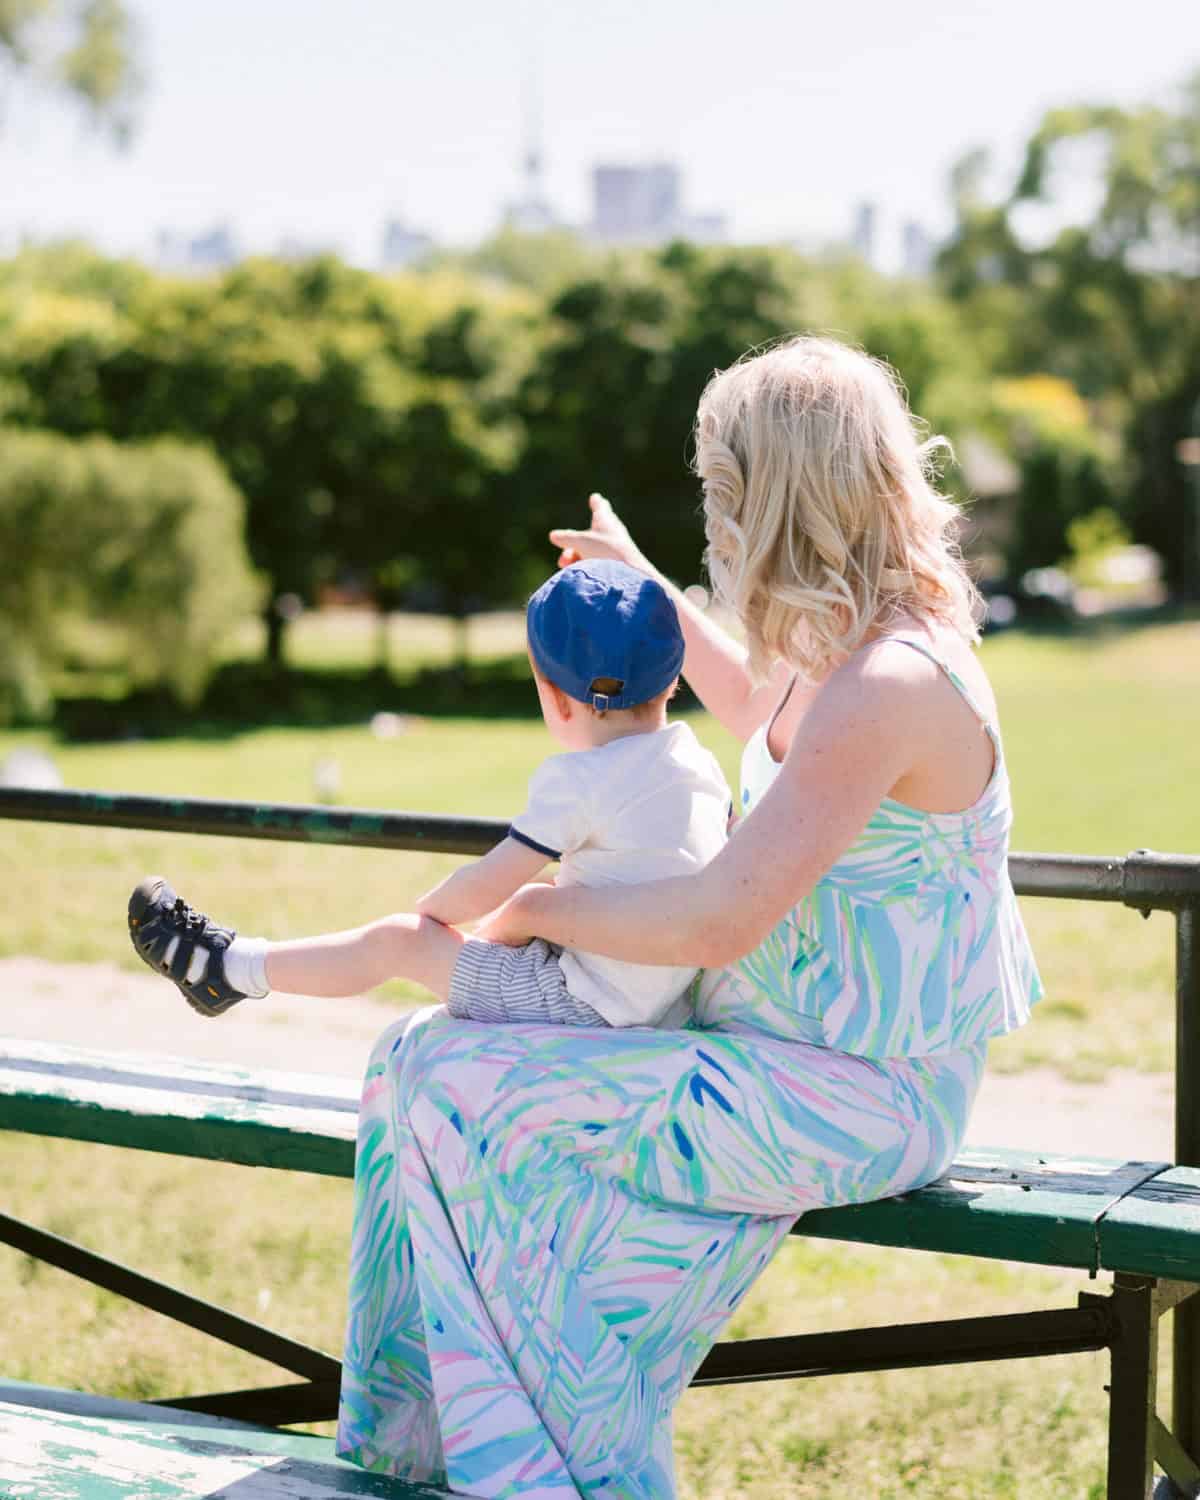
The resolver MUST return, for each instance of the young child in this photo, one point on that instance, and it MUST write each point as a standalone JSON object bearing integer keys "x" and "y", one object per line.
{"x": 634, "y": 799}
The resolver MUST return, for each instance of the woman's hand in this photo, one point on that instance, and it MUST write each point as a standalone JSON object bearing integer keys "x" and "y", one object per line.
{"x": 509, "y": 924}
{"x": 715, "y": 665}
{"x": 608, "y": 536}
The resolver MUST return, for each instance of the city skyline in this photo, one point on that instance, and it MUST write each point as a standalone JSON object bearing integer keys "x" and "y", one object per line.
{"x": 298, "y": 123}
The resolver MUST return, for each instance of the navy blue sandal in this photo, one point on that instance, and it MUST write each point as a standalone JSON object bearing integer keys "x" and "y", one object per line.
{"x": 156, "y": 916}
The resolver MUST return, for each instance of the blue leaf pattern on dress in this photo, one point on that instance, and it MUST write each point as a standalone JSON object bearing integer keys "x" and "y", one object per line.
{"x": 571, "y": 1220}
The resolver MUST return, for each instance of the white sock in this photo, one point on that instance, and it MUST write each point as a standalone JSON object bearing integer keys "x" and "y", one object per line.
{"x": 246, "y": 966}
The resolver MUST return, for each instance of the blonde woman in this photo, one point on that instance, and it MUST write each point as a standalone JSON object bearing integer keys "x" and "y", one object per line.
{"x": 552, "y": 1226}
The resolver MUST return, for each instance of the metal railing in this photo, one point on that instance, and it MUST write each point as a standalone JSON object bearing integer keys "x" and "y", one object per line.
{"x": 1144, "y": 880}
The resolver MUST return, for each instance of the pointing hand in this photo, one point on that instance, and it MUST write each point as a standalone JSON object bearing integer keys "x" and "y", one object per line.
{"x": 607, "y": 537}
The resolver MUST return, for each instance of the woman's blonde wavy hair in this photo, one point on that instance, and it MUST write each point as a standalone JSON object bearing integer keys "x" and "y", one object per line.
{"x": 821, "y": 517}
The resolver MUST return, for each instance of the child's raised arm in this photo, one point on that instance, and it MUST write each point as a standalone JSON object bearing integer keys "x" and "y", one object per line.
{"x": 715, "y": 664}
{"x": 474, "y": 890}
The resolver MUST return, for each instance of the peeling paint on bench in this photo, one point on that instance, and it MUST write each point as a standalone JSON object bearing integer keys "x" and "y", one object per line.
{"x": 298, "y": 1121}
{"x": 1007, "y": 1205}
{"x": 51, "y": 1455}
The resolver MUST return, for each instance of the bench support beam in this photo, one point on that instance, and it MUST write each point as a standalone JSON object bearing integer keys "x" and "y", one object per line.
{"x": 269, "y": 1406}
{"x": 906, "y": 1346}
{"x": 1183, "y": 1473}
{"x": 180, "y": 1306}
{"x": 1185, "y": 1385}
{"x": 1133, "y": 1388}
{"x": 1136, "y": 1437}
{"x": 1126, "y": 1323}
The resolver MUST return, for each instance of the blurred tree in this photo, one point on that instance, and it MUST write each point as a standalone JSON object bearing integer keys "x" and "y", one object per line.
{"x": 418, "y": 435}
{"x": 85, "y": 48}
{"x": 317, "y": 384}
{"x": 143, "y": 539}
{"x": 1093, "y": 540}
{"x": 1112, "y": 303}
{"x": 1069, "y": 469}
{"x": 544, "y": 263}
{"x": 431, "y": 532}
{"x": 610, "y": 400}
{"x": 444, "y": 543}
{"x": 587, "y": 404}
{"x": 291, "y": 372}
{"x": 722, "y": 305}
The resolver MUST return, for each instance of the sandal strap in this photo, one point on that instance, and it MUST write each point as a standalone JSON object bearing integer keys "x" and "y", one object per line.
{"x": 182, "y": 958}
{"x": 158, "y": 919}
{"x": 212, "y": 989}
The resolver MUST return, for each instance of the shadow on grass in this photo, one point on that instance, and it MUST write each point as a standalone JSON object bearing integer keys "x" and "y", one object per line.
{"x": 252, "y": 695}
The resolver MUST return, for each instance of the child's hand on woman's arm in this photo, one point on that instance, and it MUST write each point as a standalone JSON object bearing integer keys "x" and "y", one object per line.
{"x": 506, "y": 924}
{"x": 474, "y": 890}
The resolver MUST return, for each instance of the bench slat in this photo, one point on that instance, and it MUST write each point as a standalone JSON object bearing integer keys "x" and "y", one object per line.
{"x": 1007, "y": 1205}
{"x": 1155, "y": 1231}
{"x": 67, "y": 1455}
{"x": 297, "y": 1121}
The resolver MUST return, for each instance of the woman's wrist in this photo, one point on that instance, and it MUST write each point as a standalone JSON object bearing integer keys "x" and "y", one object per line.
{"x": 637, "y": 560}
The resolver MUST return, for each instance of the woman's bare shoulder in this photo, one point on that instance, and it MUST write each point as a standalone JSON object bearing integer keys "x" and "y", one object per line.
{"x": 933, "y": 705}
{"x": 891, "y": 659}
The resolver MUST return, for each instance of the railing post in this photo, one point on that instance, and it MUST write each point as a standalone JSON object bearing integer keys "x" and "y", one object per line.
{"x": 1186, "y": 1364}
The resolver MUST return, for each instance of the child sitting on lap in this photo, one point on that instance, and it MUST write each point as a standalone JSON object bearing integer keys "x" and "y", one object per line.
{"x": 634, "y": 799}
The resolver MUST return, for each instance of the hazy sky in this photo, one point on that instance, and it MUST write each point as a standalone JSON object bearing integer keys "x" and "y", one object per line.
{"x": 318, "y": 118}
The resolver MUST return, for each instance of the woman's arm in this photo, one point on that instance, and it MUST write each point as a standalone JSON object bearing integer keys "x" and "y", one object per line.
{"x": 714, "y": 664}
{"x": 858, "y": 739}
{"x": 717, "y": 669}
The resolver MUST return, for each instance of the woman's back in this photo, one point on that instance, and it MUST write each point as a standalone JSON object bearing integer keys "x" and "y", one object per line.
{"x": 958, "y": 753}
{"x": 911, "y": 943}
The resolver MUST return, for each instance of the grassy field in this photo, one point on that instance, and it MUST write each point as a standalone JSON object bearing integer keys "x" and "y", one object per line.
{"x": 1102, "y": 736}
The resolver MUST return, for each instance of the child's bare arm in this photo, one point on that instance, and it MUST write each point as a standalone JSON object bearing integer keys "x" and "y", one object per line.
{"x": 474, "y": 890}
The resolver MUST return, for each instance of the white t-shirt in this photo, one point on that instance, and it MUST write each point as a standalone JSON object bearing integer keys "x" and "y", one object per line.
{"x": 642, "y": 807}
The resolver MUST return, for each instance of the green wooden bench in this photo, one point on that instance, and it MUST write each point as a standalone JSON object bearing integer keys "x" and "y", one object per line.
{"x": 1139, "y": 1221}
{"x": 60, "y": 1444}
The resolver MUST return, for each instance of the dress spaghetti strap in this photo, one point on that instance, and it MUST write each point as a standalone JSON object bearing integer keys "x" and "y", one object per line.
{"x": 782, "y": 704}
{"x": 955, "y": 680}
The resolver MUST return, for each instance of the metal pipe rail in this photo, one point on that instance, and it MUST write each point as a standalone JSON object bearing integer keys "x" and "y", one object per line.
{"x": 1144, "y": 880}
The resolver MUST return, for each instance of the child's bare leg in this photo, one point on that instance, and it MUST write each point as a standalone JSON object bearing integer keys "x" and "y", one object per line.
{"x": 404, "y": 946}
{"x": 215, "y": 968}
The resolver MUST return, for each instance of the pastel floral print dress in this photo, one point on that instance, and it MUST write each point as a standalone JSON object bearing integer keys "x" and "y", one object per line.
{"x": 553, "y": 1224}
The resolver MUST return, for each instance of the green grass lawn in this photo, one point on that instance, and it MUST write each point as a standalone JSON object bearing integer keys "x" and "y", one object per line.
{"x": 1102, "y": 736}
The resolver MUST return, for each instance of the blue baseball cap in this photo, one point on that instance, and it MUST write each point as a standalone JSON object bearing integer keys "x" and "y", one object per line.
{"x": 604, "y": 619}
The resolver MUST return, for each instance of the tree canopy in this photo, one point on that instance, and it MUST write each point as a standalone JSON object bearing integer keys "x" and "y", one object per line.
{"x": 1109, "y": 302}
{"x": 84, "y": 49}
{"x": 139, "y": 542}
{"x": 413, "y": 437}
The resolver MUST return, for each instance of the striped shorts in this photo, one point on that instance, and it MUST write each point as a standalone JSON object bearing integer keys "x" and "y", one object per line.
{"x": 492, "y": 982}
